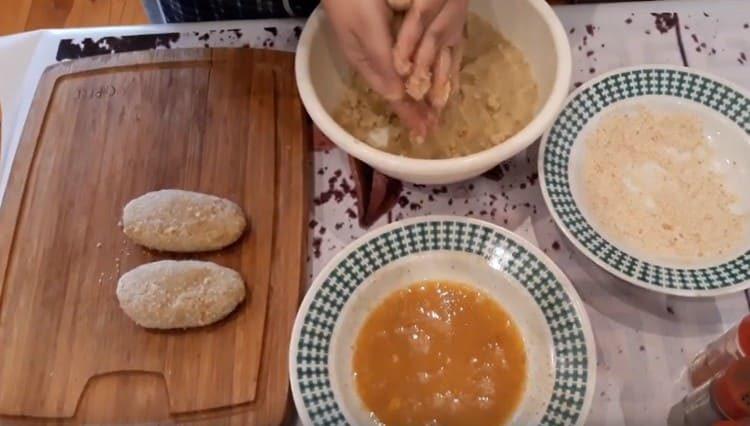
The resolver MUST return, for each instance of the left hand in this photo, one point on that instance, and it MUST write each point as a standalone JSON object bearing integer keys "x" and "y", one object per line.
{"x": 362, "y": 28}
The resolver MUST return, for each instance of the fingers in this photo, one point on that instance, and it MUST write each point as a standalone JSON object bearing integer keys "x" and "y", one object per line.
{"x": 457, "y": 54}
{"x": 373, "y": 60}
{"x": 445, "y": 30}
{"x": 365, "y": 35}
{"x": 402, "y": 66}
{"x": 441, "y": 80}
{"x": 400, "y": 5}
{"x": 415, "y": 115}
{"x": 382, "y": 82}
{"x": 366, "y": 41}
{"x": 416, "y": 21}
{"x": 380, "y": 77}
{"x": 418, "y": 84}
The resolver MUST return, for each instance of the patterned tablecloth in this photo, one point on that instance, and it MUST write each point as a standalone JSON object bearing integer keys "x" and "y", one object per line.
{"x": 643, "y": 339}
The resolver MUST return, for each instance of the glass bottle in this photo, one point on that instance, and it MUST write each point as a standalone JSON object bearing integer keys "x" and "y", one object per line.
{"x": 730, "y": 346}
{"x": 725, "y": 397}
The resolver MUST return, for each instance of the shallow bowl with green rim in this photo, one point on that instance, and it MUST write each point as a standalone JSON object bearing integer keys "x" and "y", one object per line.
{"x": 724, "y": 111}
{"x": 559, "y": 343}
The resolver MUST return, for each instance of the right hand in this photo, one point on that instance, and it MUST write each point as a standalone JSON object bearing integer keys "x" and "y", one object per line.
{"x": 362, "y": 28}
{"x": 430, "y": 43}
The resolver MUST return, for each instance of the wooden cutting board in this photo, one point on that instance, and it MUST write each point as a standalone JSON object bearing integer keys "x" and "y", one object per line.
{"x": 102, "y": 131}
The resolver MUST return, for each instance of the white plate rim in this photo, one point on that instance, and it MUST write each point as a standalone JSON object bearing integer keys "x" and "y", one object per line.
{"x": 567, "y": 286}
{"x": 569, "y": 235}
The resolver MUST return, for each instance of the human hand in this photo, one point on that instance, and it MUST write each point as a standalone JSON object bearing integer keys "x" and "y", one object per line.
{"x": 428, "y": 48}
{"x": 362, "y": 28}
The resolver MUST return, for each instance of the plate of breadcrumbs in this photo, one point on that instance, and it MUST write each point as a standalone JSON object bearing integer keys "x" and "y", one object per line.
{"x": 643, "y": 170}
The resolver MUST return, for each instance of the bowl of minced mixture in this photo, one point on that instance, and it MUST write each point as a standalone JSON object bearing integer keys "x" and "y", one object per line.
{"x": 514, "y": 76}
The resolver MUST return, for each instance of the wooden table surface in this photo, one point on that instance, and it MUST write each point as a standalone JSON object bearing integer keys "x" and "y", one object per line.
{"x": 27, "y": 15}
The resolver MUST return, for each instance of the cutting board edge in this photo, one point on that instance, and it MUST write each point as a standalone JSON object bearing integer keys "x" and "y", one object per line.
{"x": 304, "y": 150}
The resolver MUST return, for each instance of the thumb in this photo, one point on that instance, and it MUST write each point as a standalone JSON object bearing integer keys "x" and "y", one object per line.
{"x": 375, "y": 65}
{"x": 388, "y": 85}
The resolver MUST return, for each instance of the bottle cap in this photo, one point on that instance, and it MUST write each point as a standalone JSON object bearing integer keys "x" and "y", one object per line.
{"x": 730, "y": 390}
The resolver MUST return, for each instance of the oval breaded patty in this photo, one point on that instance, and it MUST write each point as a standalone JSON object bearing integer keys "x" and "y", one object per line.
{"x": 179, "y": 293}
{"x": 182, "y": 221}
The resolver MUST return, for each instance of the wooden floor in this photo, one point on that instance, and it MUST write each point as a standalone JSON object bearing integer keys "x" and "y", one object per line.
{"x": 27, "y": 15}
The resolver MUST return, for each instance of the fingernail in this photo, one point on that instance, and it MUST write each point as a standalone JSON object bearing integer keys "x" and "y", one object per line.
{"x": 399, "y": 5}
{"x": 419, "y": 84}
{"x": 403, "y": 66}
{"x": 440, "y": 95}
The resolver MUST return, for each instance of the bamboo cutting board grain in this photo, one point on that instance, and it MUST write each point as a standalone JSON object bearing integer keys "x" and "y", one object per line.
{"x": 102, "y": 131}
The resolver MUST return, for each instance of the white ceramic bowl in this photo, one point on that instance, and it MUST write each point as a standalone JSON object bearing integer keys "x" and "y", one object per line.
{"x": 550, "y": 316}
{"x": 721, "y": 108}
{"x": 531, "y": 25}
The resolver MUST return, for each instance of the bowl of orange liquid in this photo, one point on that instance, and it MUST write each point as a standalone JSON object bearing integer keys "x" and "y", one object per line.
{"x": 442, "y": 320}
